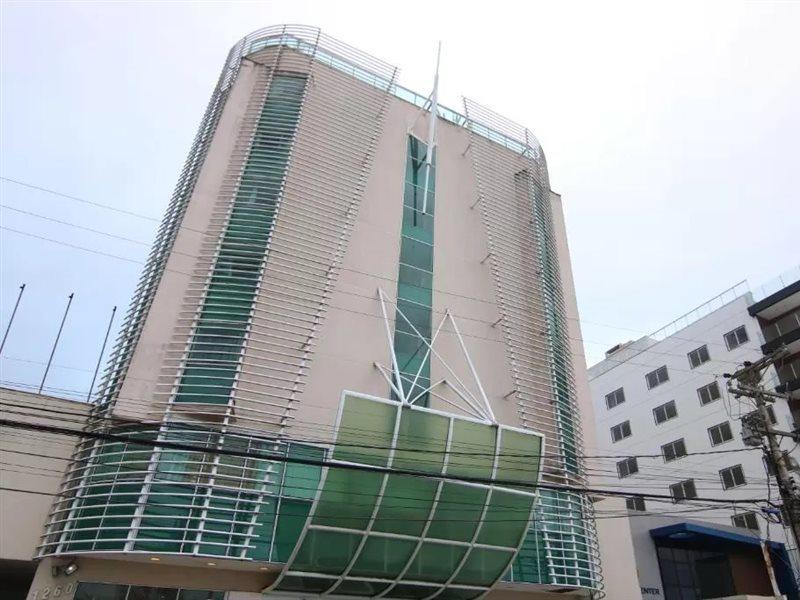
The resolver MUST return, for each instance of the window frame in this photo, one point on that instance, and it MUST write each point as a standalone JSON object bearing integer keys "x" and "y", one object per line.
{"x": 619, "y": 392}
{"x": 626, "y": 463}
{"x": 731, "y": 471}
{"x": 735, "y": 333}
{"x": 745, "y": 515}
{"x": 622, "y": 429}
{"x": 634, "y": 502}
{"x": 714, "y": 384}
{"x": 656, "y": 373}
{"x": 720, "y": 425}
{"x": 698, "y": 354}
{"x": 666, "y": 418}
{"x": 676, "y": 456}
{"x": 682, "y": 485}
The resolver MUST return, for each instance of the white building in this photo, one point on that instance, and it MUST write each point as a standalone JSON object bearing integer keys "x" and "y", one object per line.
{"x": 662, "y": 407}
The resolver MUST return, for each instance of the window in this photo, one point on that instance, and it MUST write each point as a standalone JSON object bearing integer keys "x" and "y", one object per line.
{"x": 615, "y": 398}
{"x": 735, "y": 338}
{"x": 665, "y": 412}
{"x": 699, "y": 356}
{"x": 673, "y": 450}
{"x": 656, "y": 377}
{"x": 720, "y": 434}
{"x": 621, "y": 431}
{"x": 683, "y": 490}
{"x": 626, "y": 467}
{"x": 635, "y": 503}
{"x": 732, "y": 477}
{"x": 746, "y": 520}
{"x": 709, "y": 393}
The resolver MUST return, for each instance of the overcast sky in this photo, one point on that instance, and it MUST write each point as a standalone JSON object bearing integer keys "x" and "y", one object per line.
{"x": 671, "y": 130}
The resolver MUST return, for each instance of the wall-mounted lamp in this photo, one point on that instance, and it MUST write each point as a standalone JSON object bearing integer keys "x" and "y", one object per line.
{"x": 67, "y": 569}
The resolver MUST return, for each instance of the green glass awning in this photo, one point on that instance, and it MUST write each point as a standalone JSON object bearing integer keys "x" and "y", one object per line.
{"x": 413, "y": 527}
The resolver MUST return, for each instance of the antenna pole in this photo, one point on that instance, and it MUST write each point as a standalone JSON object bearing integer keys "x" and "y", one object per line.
{"x": 11, "y": 320}
{"x": 55, "y": 344}
{"x": 102, "y": 351}
{"x": 431, "y": 130}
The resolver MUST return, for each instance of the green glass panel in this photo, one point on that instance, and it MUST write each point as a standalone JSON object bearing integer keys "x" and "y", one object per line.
{"x": 200, "y": 595}
{"x": 457, "y": 513}
{"x": 421, "y": 441}
{"x": 361, "y": 415}
{"x": 472, "y": 450}
{"x": 415, "y": 285}
{"x": 410, "y": 351}
{"x": 506, "y": 519}
{"x": 413, "y": 194}
{"x": 410, "y": 592}
{"x": 243, "y": 246}
{"x": 348, "y": 498}
{"x": 435, "y": 562}
{"x": 417, "y": 254}
{"x": 383, "y": 557}
{"x": 519, "y": 457}
{"x": 265, "y": 523}
{"x": 415, "y": 320}
{"x": 302, "y": 481}
{"x": 530, "y": 565}
{"x": 291, "y": 520}
{"x": 100, "y": 591}
{"x": 417, "y": 225}
{"x": 309, "y": 585}
{"x": 354, "y": 587}
{"x": 143, "y": 592}
{"x": 453, "y": 593}
{"x": 326, "y": 552}
{"x": 406, "y": 505}
{"x": 483, "y": 567}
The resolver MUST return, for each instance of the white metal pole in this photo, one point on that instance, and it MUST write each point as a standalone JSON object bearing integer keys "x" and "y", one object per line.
{"x": 431, "y": 130}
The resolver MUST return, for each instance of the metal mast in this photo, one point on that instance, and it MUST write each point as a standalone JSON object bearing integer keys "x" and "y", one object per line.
{"x": 431, "y": 130}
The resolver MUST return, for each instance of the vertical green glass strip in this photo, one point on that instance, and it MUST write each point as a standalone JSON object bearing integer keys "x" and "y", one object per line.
{"x": 214, "y": 354}
{"x": 415, "y": 275}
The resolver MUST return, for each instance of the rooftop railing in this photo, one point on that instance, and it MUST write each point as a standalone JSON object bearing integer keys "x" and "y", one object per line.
{"x": 370, "y": 70}
{"x": 705, "y": 309}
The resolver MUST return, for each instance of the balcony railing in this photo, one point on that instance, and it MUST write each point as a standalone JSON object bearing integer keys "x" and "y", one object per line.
{"x": 789, "y": 376}
{"x": 782, "y": 326}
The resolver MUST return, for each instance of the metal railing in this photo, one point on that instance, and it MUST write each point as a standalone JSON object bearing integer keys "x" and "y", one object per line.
{"x": 705, "y": 309}
{"x": 786, "y": 278}
{"x": 782, "y": 326}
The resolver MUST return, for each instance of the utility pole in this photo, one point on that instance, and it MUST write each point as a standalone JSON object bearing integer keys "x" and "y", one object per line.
{"x": 747, "y": 382}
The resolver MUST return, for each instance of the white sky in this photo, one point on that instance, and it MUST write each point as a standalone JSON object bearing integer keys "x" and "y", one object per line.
{"x": 671, "y": 130}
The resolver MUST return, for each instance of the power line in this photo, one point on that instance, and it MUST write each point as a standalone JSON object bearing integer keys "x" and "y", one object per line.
{"x": 196, "y": 427}
{"x": 349, "y": 466}
{"x": 182, "y": 226}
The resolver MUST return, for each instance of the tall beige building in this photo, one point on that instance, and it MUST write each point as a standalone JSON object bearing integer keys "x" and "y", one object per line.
{"x": 349, "y": 367}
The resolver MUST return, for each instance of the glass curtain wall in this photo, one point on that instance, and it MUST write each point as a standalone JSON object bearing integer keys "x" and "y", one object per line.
{"x": 415, "y": 276}
{"x": 213, "y": 357}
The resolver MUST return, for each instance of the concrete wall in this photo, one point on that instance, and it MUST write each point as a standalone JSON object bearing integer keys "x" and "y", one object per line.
{"x": 31, "y": 466}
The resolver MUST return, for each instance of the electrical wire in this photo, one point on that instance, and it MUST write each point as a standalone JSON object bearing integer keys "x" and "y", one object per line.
{"x": 349, "y": 466}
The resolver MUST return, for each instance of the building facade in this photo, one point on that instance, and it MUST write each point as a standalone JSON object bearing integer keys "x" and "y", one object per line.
{"x": 349, "y": 366}
{"x": 662, "y": 407}
{"x": 31, "y": 467}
